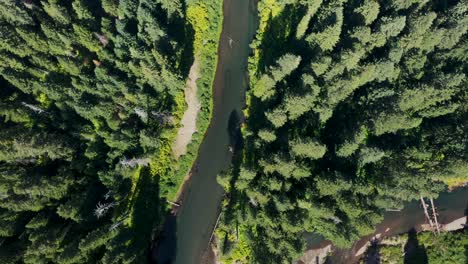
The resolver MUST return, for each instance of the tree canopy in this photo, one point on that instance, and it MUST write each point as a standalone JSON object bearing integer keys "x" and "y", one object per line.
{"x": 356, "y": 107}
{"x": 90, "y": 96}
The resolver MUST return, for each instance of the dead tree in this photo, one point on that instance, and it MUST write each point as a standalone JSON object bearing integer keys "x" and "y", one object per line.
{"x": 214, "y": 229}
{"x": 141, "y": 113}
{"x": 135, "y": 162}
{"x": 424, "y": 205}
{"x": 33, "y": 108}
{"x": 115, "y": 226}
{"x": 101, "y": 209}
{"x": 173, "y": 203}
{"x": 253, "y": 201}
{"x": 102, "y": 39}
{"x": 392, "y": 210}
{"x": 29, "y": 4}
{"x": 434, "y": 213}
{"x": 164, "y": 118}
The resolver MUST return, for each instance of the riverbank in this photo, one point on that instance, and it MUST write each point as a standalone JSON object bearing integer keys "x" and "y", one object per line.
{"x": 419, "y": 247}
{"x": 451, "y": 206}
{"x": 189, "y": 233}
{"x": 205, "y": 20}
{"x": 319, "y": 255}
{"x": 455, "y": 225}
{"x": 188, "y": 124}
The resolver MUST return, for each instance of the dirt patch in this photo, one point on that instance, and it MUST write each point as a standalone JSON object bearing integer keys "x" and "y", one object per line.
{"x": 211, "y": 254}
{"x": 455, "y": 225}
{"x": 189, "y": 120}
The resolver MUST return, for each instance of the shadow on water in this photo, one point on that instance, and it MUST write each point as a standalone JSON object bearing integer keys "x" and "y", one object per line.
{"x": 147, "y": 211}
{"x": 414, "y": 253}
{"x": 236, "y": 144}
{"x": 235, "y": 134}
{"x": 165, "y": 248}
{"x": 373, "y": 253}
{"x": 466, "y": 215}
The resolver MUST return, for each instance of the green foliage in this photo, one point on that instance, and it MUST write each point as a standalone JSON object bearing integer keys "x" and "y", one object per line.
{"x": 277, "y": 117}
{"x": 371, "y": 115}
{"x": 76, "y": 78}
{"x": 369, "y": 10}
{"x": 447, "y": 247}
{"x": 264, "y": 88}
{"x": 308, "y": 149}
{"x": 328, "y": 38}
{"x": 266, "y": 135}
{"x": 370, "y": 155}
{"x": 351, "y": 145}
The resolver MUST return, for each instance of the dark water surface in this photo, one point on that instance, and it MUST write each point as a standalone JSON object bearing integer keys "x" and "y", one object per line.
{"x": 187, "y": 237}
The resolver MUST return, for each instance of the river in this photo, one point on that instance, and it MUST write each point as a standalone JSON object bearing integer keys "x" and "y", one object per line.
{"x": 187, "y": 236}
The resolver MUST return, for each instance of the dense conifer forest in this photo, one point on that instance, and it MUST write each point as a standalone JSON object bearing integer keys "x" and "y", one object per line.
{"x": 355, "y": 107}
{"x": 91, "y": 94}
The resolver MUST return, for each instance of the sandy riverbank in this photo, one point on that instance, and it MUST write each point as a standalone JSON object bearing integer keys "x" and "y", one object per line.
{"x": 189, "y": 120}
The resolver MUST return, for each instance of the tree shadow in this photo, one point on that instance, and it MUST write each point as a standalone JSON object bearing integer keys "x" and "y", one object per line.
{"x": 235, "y": 135}
{"x": 414, "y": 252}
{"x": 183, "y": 34}
{"x": 373, "y": 253}
{"x": 164, "y": 248}
{"x": 132, "y": 243}
{"x": 236, "y": 143}
{"x": 280, "y": 37}
{"x": 187, "y": 39}
{"x": 147, "y": 209}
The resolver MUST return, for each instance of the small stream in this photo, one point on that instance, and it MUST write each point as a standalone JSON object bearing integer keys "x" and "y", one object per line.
{"x": 450, "y": 206}
{"x": 187, "y": 236}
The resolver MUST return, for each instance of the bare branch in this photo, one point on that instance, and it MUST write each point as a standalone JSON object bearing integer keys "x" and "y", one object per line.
{"x": 142, "y": 114}
{"x": 131, "y": 163}
{"x": 101, "y": 209}
{"x": 102, "y": 38}
{"x": 34, "y": 108}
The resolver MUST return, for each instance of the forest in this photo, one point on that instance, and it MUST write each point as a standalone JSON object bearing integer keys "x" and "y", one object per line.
{"x": 91, "y": 95}
{"x": 355, "y": 107}
{"x": 424, "y": 247}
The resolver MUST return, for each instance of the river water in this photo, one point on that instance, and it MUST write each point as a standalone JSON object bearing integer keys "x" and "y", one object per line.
{"x": 450, "y": 206}
{"x": 187, "y": 236}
